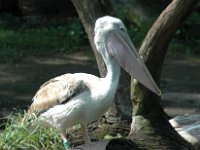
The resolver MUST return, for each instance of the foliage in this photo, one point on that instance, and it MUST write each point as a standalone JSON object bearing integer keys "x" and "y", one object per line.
{"x": 19, "y": 39}
{"x": 33, "y": 136}
{"x": 28, "y": 136}
{"x": 136, "y": 27}
{"x": 187, "y": 39}
{"x": 185, "y": 42}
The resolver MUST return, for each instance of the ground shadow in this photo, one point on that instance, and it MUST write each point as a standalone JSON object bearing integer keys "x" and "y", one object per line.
{"x": 180, "y": 82}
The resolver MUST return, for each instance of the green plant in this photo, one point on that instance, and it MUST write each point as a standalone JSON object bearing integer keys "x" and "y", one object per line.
{"x": 29, "y": 136}
{"x": 36, "y": 37}
{"x": 186, "y": 40}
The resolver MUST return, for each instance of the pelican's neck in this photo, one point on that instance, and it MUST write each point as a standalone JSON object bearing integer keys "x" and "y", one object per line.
{"x": 113, "y": 72}
{"x": 113, "y": 69}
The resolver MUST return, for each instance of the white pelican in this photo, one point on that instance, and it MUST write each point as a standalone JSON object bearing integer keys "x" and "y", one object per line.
{"x": 82, "y": 98}
{"x": 188, "y": 126}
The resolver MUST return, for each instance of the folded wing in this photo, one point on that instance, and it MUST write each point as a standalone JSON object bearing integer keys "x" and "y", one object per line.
{"x": 56, "y": 91}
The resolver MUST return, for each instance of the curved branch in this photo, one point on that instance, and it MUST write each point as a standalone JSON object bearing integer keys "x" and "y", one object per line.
{"x": 156, "y": 42}
{"x": 150, "y": 118}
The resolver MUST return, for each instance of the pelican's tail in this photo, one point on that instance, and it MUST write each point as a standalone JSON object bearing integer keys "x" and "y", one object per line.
{"x": 29, "y": 117}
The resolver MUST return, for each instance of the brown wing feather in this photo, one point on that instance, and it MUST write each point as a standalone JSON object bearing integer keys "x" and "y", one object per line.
{"x": 56, "y": 91}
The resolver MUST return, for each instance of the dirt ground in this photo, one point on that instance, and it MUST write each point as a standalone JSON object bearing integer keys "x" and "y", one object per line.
{"x": 180, "y": 82}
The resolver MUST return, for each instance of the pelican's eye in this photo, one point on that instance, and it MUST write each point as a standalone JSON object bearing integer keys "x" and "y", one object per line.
{"x": 123, "y": 29}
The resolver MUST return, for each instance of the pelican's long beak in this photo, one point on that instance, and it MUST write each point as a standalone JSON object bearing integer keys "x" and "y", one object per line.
{"x": 122, "y": 49}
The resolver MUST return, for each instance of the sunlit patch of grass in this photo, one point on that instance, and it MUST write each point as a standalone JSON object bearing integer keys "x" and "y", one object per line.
{"x": 187, "y": 49}
{"x": 20, "y": 39}
{"x": 17, "y": 135}
{"x": 109, "y": 137}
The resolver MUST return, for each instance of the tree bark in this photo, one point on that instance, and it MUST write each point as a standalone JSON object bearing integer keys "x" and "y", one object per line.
{"x": 150, "y": 127}
{"x": 121, "y": 111}
{"x": 88, "y": 13}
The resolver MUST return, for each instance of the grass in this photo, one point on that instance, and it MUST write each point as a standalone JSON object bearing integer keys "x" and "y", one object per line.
{"x": 20, "y": 39}
{"x": 17, "y": 136}
{"x": 32, "y": 136}
{"x": 187, "y": 49}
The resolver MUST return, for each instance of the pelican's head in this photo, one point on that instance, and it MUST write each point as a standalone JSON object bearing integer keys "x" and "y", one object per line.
{"x": 104, "y": 28}
{"x": 108, "y": 24}
{"x": 112, "y": 41}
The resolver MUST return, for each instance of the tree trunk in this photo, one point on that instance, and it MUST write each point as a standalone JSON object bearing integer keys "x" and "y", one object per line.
{"x": 150, "y": 127}
{"x": 117, "y": 119}
{"x": 88, "y": 13}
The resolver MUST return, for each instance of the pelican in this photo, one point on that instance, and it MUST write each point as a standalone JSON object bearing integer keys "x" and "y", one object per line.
{"x": 82, "y": 98}
{"x": 188, "y": 127}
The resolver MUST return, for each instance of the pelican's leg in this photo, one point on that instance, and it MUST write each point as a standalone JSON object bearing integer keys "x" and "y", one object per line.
{"x": 66, "y": 143}
{"x": 88, "y": 144}
{"x": 85, "y": 134}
